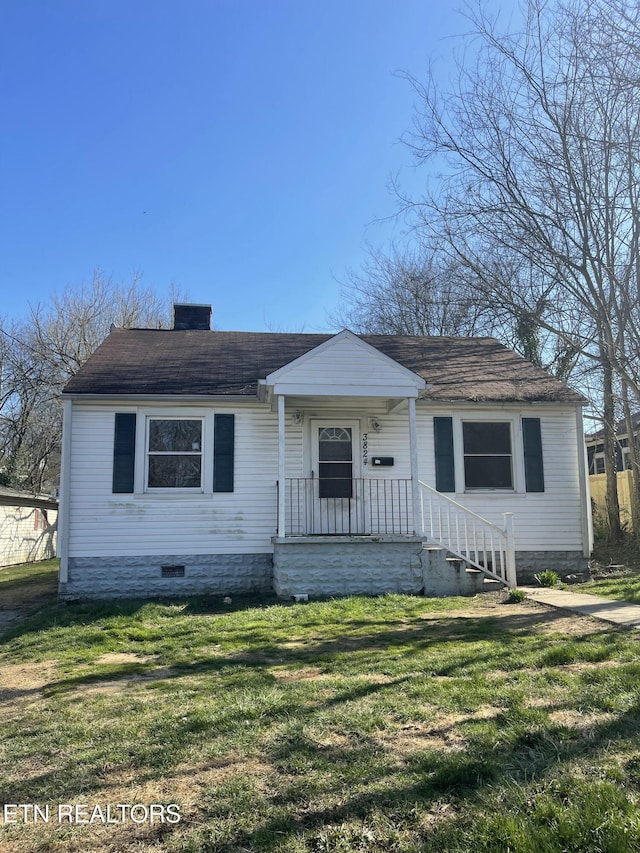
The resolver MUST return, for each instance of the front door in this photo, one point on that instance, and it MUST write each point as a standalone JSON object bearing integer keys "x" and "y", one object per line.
{"x": 335, "y": 472}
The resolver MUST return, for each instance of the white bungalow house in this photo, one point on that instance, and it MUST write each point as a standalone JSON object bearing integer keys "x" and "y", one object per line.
{"x": 199, "y": 461}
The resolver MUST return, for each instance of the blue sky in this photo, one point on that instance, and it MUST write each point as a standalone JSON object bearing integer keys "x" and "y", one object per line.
{"x": 240, "y": 149}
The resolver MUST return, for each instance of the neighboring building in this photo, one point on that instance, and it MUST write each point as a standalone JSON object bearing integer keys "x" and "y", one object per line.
{"x": 199, "y": 461}
{"x": 595, "y": 446}
{"x": 624, "y": 477}
{"x": 28, "y": 527}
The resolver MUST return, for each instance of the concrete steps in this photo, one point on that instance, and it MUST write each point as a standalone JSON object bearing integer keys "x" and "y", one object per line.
{"x": 445, "y": 574}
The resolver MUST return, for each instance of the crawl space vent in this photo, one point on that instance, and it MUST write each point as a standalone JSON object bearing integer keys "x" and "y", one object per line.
{"x": 172, "y": 571}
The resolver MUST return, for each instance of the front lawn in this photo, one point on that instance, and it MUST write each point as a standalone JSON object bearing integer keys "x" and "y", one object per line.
{"x": 29, "y": 585}
{"x": 389, "y": 724}
{"x": 615, "y": 571}
{"x": 624, "y": 586}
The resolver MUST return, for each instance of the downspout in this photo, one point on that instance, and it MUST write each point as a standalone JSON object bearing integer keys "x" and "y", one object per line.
{"x": 65, "y": 493}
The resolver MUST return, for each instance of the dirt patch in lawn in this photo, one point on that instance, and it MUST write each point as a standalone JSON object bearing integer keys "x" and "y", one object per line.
{"x": 108, "y": 687}
{"x": 23, "y": 683}
{"x": 122, "y": 657}
{"x": 524, "y": 615}
{"x": 314, "y": 673}
{"x": 579, "y": 720}
{"x": 444, "y": 734}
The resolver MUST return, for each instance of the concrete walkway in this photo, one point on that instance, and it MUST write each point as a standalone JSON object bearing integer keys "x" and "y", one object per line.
{"x": 605, "y": 609}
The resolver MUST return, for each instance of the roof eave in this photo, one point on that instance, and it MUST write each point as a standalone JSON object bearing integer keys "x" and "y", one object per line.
{"x": 159, "y": 398}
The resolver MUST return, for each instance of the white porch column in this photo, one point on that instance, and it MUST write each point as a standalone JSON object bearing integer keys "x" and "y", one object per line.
{"x": 510, "y": 569}
{"x": 586, "y": 518}
{"x": 413, "y": 452}
{"x": 282, "y": 503}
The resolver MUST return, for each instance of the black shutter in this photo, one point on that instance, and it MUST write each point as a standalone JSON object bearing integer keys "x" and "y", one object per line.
{"x": 223, "y": 448}
{"x": 533, "y": 467}
{"x": 445, "y": 469}
{"x": 124, "y": 452}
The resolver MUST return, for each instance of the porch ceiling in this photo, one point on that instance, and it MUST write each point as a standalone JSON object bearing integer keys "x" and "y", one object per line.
{"x": 353, "y": 403}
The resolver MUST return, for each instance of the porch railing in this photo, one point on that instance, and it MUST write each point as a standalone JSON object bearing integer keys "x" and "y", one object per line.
{"x": 468, "y": 536}
{"x": 366, "y": 507}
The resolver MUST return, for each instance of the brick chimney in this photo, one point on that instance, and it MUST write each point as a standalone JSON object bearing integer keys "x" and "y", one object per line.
{"x": 186, "y": 316}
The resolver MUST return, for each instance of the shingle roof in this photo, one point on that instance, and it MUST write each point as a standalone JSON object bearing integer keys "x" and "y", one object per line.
{"x": 620, "y": 430}
{"x": 17, "y": 497}
{"x": 195, "y": 362}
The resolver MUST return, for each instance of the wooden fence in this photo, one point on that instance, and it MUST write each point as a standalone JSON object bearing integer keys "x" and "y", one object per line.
{"x": 598, "y": 485}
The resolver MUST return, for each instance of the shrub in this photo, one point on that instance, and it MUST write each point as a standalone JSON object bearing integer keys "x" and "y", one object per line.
{"x": 515, "y": 596}
{"x": 547, "y": 578}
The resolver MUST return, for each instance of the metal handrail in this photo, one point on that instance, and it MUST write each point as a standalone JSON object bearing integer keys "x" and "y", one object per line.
{"x": 361, "y": 505}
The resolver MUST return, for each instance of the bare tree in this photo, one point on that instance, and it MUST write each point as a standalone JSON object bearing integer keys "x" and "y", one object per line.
{"x": 412, "y": 292}
{"x": 38, "y": 356}
{"x": 540, "y": 143}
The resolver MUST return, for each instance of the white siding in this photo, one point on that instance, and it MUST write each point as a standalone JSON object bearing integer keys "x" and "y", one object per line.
{"x": 545, "y": 521}
{"x": 345, "y": 365}
{"x": 27, "y": 534}
{"x": 104, "y": 524}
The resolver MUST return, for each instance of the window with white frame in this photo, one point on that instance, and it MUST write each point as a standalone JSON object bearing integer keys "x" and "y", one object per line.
{"x": 488, "y": 454}
{"x": 174, "y": 453}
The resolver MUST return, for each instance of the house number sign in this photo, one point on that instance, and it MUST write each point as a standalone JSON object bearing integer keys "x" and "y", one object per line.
{"x": 365, "y": 448}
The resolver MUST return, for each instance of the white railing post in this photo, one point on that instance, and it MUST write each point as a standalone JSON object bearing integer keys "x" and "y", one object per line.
{"x": 511, "y": 578}
{"x": 493, "y": 546}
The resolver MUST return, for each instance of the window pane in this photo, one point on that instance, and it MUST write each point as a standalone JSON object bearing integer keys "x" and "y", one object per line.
{"x": 335, "y": 470}
{"x": 335, "y": 434}
{"x": 338, "y": 451}
{"x": 334, "y": 444}
{"x": 488, "y": 472}
{"x": 335, "y": 489}
{"x": 486, "y": 437}
{"x": 335, "y": 479}
{"x": 174, "y": 472}
{"x": 175, "y": 435}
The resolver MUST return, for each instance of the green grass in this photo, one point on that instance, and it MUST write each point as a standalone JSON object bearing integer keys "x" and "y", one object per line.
{"x": 616, "y": 571}
{"x": 28, "y": 573}
{"x": 390, "y": 724}
{"x": 28, "y": 586}
{"x": 625, "y": 587}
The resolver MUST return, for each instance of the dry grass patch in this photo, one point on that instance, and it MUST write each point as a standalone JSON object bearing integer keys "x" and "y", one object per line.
{"x": 122, "y": 657}
{"x": 576, "y": 719}
{"x": 444, "y": 734}
{"x": 22, "y": 685}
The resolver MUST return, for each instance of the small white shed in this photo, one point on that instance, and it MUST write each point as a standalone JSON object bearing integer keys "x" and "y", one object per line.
{"x": 28, "y": 527}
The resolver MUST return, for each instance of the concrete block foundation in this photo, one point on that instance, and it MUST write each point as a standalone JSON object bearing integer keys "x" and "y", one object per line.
{"x": 314, "y": 566}
{"x": 169, "y": 575}
{"x": 326, "y": 566}
{"x": 529, "y": 563}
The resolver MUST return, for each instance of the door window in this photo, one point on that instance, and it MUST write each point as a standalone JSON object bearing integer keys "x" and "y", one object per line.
{"x": 335, "y": 462}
